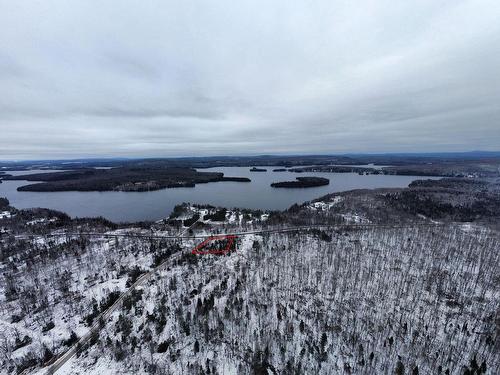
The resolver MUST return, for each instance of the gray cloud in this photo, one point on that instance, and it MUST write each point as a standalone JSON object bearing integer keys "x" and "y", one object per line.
{"x": 165, "y": 78}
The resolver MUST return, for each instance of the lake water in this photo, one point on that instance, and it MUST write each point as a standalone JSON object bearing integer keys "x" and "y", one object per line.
{"x": 155, "y": 205}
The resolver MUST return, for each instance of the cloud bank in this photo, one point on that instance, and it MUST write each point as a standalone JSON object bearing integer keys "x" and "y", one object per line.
{"x": 169, "y": 78}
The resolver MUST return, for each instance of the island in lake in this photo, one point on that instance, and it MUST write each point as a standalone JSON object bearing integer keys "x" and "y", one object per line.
{"x": 302, "y": 182}
{"x": 254, "y": 169}
{"x": 120, "y": 179}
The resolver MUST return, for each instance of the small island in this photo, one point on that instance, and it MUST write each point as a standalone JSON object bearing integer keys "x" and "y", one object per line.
{"x": 302, "y": 182}
{"x": 254, "y": 169}
{"x": 236, "y": 179}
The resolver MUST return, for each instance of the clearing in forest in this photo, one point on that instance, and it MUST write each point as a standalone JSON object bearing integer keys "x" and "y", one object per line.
{"x": 220, "y": 245}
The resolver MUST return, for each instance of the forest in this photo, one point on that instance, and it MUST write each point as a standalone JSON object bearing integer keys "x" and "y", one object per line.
{"x": 120, "y": 179}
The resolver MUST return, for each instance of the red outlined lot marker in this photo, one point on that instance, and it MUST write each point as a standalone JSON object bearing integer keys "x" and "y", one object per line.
{"x": 204, "y": 247}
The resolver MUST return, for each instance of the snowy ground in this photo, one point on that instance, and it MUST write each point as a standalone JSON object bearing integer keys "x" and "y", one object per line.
{"x": 362, "y": 303}
{"x": 353, "y": 300}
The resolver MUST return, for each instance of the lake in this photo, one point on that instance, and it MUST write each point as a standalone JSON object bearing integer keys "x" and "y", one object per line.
{"x": 155, "y": 205}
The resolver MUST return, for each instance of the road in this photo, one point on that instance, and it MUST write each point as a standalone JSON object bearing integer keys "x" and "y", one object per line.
{"x": 95, "y": 328}
{"x": 257, "y": 231}
{"x": 104, "y": 316}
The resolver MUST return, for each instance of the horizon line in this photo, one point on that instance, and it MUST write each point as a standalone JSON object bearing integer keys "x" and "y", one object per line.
{"x": 277, "y": 155}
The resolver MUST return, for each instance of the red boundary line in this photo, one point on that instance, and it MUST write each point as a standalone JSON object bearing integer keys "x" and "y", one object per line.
{"x": 198, "y": 249}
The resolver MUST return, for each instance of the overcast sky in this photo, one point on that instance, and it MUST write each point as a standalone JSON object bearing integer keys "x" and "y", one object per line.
{"x": 178, "y": 78}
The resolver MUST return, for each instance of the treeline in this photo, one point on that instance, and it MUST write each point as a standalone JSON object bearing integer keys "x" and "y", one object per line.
{"x": 4, "y": 203}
